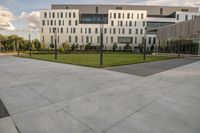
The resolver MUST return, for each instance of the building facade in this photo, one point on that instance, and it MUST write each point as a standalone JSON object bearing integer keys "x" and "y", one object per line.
{"x": 123, "y": 24}
{"x": 182, "y": 37}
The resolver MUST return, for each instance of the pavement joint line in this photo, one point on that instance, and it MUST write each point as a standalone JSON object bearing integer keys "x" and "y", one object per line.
{"x": 15, "y": 125}
{"x": 76, "y": 118}
{"x": 145, "y": 106}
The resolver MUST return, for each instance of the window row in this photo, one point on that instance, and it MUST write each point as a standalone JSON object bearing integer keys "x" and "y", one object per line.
{"x": 59, "y": 22}
{"x": 59, "y": 15}
{"x": 96, "y": 31}
{"x": 128, "y": 16}
{"x": 126, "y": 23}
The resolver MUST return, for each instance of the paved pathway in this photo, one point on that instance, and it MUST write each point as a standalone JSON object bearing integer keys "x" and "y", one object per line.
{"x": 146, "y": 69}
{"x": 47, "y": 97}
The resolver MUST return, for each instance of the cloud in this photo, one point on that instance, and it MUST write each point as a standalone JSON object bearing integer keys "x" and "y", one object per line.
{"x": 32, "y": 19}
{"x": 6, "y": 17}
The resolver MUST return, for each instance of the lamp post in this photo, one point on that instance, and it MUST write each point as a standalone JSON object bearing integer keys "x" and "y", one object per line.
{"x": 29, "y": 36}
{"x": 101, "y": 41}
{"x": 145, "y": 41}
{"x": 55, "y": 36}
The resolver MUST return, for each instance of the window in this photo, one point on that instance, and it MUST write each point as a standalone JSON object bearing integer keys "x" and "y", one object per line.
{"x": 105, "y": 30}
{"x": 43, "y": 22}
{"x": 119, "y": 31}
{"x": 118, "y": 8}
{"x": 82, "y": 39}
{"x": 96, "y": 30}
{"x": 130, "y": 31}
{"x": 114, "y": 15}
{"x": 53, "y": 15}
{"x": 97, "y": 10}
{"x": 142, "y": 16}
{"x": 76, "y": 22}
{"x": 132, "y": 15}
{"x": 119, "y": 15}
{"x": 51, "y": 39}
{"x": 123, "y": 31}
{"x": 49, "y": 30}
{"x": 114, "y": 30}
{"x": 70, "y": 39}
{"x": 186, "y": 17}
{"x": 81, "y": 30}
{"x": 85, "y": 30}
{"x": 177, "y": 17}
{"x": 184, "y": 10}
{"x": 54, "y": 22}
{"x": 74, "y": 30}
{"x": 128, "y": 15}
{"x": 154, "y": 40}
{"x": 112, "y": 23}
{"x": 121, "y": 23}
{"x": 135, "y": 23}
{"x": 61, "y": 30}
{"x": 66, "y": 15}
{"x": 58, "y": 39}
{"x": 76, "y": 39}
{"x": 63, "y": 22}
{"x": 70, "y": 15}
{"x": 111, "y": 39}
{"x": 89, "y": 30}
{"x": 136, "y": 31}
{"x": 50, "y": 15}
{"x": 135, "y": 40}
{"x": 144, "y": 23}
{"x": 57, "y": 14}
{"x": 67, "y": 30}
{"x": 61, "y": 15}
{"x": 149, "y": 40}
{"x": 74, "y": 15}
{"x": 98, "y": 39}
{"x": 141, "y": 31}
{"x": 123, "y": 15}
{"x": 161, "y": 11}
{"x": 51, "y": 22}
{"x": 110, "y": 15}
{"x": 45, "y": 15}
{"x": 130, "y": 23}
{"x": 138, "y": 16}
{"x": 47, "y": 22}
{"x": 42, "y": 30}
{"x": 70, "y": 23}
{"x": 59, "y": 22}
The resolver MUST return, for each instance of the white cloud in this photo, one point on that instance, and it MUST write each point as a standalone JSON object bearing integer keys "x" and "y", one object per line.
{"x": 6, "y": 17}
{"x": 32, "y": 19}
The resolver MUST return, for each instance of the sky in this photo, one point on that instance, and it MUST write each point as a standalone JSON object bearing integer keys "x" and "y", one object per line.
{"x": 22, "y": 17}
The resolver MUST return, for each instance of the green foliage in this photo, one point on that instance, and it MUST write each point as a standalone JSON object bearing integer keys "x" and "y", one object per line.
{"x": 127, "y": 47}
{"x": 66, "y": 46}
{"x": 61, "y": 50}
{"x": 51, "y": 45}
{"x": 37, "y": 44}
{"x": 115, "y": 46}
{"x": 88, "y": 47}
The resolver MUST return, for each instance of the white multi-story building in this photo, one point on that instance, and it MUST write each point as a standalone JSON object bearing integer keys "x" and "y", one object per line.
{"x": 126, "y": 24}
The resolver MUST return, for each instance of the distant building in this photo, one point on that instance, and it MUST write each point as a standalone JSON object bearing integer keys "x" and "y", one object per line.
{"x": 182, "y": 37}
{"x": 123, "y": 24}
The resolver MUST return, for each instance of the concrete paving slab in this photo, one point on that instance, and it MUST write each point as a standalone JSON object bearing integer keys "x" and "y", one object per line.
{"x": 167, "y": 115}
{"x": 7, "y": 125}
{"x": 49, "y": 119}
{"x": 20, "y": 98}
{"x": 103, "y": 109}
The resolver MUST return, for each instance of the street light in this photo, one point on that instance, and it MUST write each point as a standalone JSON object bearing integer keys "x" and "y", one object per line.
{"x": 145, "y": 41}
{"x": 101, "y": 41}
{"x": 29, "y": 36}
{"x": 55, "y": 36}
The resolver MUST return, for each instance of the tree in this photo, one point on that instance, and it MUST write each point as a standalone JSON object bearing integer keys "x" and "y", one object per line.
{"x": 37, "y": 44}
{"x": 115, "y": 46}
{"x": 51, "y": 45}
{"x": 42, "y": 46}
{"x": 88, "y": 46}
{"x": 66, "y": 46}
{"x": 73, "y": 47}
{"x": 127, "y": 47}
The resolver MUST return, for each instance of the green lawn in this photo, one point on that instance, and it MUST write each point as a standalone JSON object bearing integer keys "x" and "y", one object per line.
{"x": 92, "y": 60}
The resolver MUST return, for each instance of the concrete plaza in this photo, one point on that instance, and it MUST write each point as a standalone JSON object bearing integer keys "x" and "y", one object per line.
{"x": 47, "y": 97}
